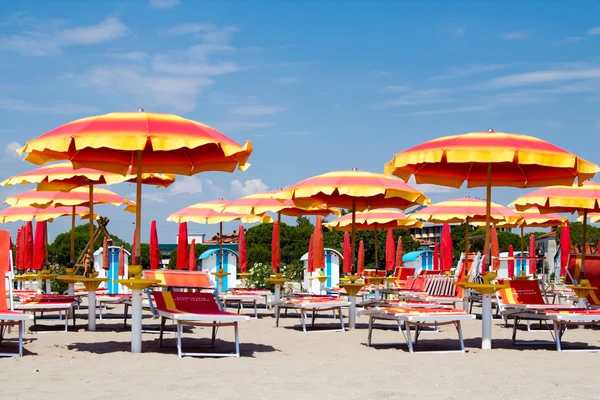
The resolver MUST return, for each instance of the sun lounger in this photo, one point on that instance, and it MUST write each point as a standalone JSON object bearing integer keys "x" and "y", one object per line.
{"x": 196, "y": 309}
{"x": 50, "y": 303}
{"x": 419, "y": 317}
{"x": 240, "y": 299}
{"x": 313, "y": 304}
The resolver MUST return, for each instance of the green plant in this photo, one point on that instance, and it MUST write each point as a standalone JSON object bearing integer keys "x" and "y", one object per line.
{"x": 259, "y": 273}
{"x": 293, "y": 271}
{"x": 56, "y": 285}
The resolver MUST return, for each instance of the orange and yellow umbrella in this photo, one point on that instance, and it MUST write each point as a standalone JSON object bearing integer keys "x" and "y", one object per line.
{"x": 382, "y": 218}
{"x": 355, "y": 190}
{"x": 63, "y": 177}
{"x": 467, "y": 210}
{"x": 486, "y": 159}
{"x": 564, "y": 199}
{"x": 260, "y": 203}
{"x": 208, "y": 213}
{"x": 140, "y": 142}
{"x": 28, "y": 213}
{"x": 76, "y": 197}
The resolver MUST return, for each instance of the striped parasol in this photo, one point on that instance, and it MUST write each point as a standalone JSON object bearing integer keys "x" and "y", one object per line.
{"x": 16, "y": 213}
{"x": 582, "y": 199}
{"x": 75, "y": 198}
{"x": 486, "y": 159}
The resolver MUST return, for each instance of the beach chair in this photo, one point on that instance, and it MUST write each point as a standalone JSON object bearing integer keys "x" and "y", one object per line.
{"x": 196, "y": 309}
{"x": 62, "y": 304}
{"x": 313, "y": 304}
{"x": 8, "y": 319}
{"x": 419, "y": 318}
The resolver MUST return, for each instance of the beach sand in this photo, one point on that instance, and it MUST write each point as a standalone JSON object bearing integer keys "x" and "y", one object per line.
{"x": 286, "y": 363}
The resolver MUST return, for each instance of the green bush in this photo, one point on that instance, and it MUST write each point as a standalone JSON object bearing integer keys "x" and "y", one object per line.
{"x": 294, "y": 271}
{"x": 56, "y": 285}
{"x": 259, "y": 273}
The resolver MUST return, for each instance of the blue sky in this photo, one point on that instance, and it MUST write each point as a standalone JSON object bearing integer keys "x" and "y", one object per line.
{"x": 316, "y": 86}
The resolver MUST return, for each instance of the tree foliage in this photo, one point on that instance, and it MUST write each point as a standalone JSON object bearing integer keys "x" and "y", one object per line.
{"x": 591, "y": 238}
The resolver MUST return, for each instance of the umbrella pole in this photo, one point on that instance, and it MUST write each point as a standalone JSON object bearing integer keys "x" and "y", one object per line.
{"x": 583, "y": 239}
{"x": 376, "y": 246}
{"x": 522, "y": 250}
{"x": 220, "y": 245}
{"x": 91, "y": 249}
{"x": 72, "y": 256}
{"x": 138, "y": 209}
{"x": 279, "y": 242}
{"x": 354, "y": 270}
{"x": 488, "y": 212}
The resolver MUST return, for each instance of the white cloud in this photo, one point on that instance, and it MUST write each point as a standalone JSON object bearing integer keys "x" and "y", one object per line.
{"x": 570, "y": 40}
{"x": 188, "y": 28}
{"x": 287, "y": 80}
{"x": 257, "y": 110}
{"x": 468, "y": 70}
{"x": 164, "y": 3}
{"x": 414, "y": 97}
{"x": 296, "y": 133}
{"x": 250, "y": 186}
{"x": 129, "y": 56}
{"x": 209, "y": 33}
{"x": 58, "y": 108}
{"x": 427, "y": 188}
{"x": 594, "y": 31}
{"x": 459, "y": 31}
{"x": 515, "y": 35}
{"x": 47, "y": 41}
{"x": 540, "y": 77}
{"x": 187, "y": 184}
{"x": 10, "y": 150}
{"x": 148, "y": 89}
{"x": 394, "y": 89}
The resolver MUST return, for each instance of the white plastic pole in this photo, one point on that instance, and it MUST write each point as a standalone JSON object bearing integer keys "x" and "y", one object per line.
{"x": 48, "y": 291}
{"x": 352, "y": 312}
{"x": 91, "y": 310}
{"x": 136, "y": 321}
{"x": 486, "y": 321}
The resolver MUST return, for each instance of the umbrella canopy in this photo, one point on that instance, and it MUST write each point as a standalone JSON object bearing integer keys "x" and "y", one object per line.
{"x": 209, "y": 213}
{"x": 436, "y": 257}
{"x": 490, "y": 159}
{"x": 39, "y": 246}
{"x": 19, "y": 244}
{"x": 390, "y": 250}
{"x": 275, "y": 249}
{"x": 243, "y": 254}
{"x": 154, "y": 252}
{"x": 517, "y": 160}
{"x": 355, "y": 190}
{"x": 193, "y": 255}
{"x": 260, "y": 203}
{"x": 399, "y": 253}
{"x": 495, "y": 251}
{"x": 375, "y": 219}
{"x": 532, "y": 255}
{"x": 565, "y": 248}
{"x": 318, "y": 245}
{"x": 105, "y": 260}
{"x": 447, "y": 249}
{"x": 77, "y": 197}
{"x": 467, "y": 209}
{"x": 28, "y": 246}
{"x": 310, "y": 267}
{"x": 347, "y": 253}
{"x": 121, "y": 267}
{"x": 361, "y": 258}
{"x": 63, "y": 177}
{"x": 511, "y": 261}
{"x": 15, "y": 213}
{"x": 576, "y": 198}
{"x": 182, "y": 247}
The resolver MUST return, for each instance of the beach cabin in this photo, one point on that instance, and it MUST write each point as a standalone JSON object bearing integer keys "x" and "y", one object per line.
{"x": 420, "y": 260}
{"x": 112, "y": 273}
{"x": 210, "y": 262}
{"x": 519, "y": 263}
{"x": 333, "y": 260}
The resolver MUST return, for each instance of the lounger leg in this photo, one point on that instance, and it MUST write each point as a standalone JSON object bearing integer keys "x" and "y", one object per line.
{"x": 557, "y": 336}
{"x": 21, "y": 334}
{"x": 163, "y": 321}
{"x": 303, "y": 319}
{"x": 277, "y": 313}
{"x": 73, "y": 313}
{"x": 408, "y": 337}
{"x": 179, "y": 329}
{"x": 460, "y": 335}
{"x": 125, "y": 316}
{"x": 370, "y": 331}
{"x": 514, "y": 335}
{"x": 67, "y": 324}
{"x": 314, "y": 315}
{"x": 1, "y": 333}
{"x": 237, "y": 339}
{"x": 341, "y": 319}
{"x": 34, "y": 319}
{"x": 255, "y": 310}
{"x": 214, "y": 335}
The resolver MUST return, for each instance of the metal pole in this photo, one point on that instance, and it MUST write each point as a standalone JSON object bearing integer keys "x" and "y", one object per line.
{"x": 353, "y": 233}
{"x": 488, "y": 212}
{"x": 583, "y": 238}
{"x": 522, "y": 251}
{"x": 91, "y": 249}
{"x": 486, "y": 321}
{"x": 72, "y": 257}
{"x": 376, "y": 246}
{"x": 91, "y": 310}
{"x": 136, "y": 321}
{"x": 138, "y": 215}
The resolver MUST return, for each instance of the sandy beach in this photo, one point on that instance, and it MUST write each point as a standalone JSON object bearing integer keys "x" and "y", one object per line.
{"x": 286, "y": 363}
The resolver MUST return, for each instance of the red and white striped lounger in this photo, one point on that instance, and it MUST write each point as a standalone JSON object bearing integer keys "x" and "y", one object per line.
{"x": 196, "y": 309}
{"x": 314, "y": 304}
{"x": 419, "y": 317}
{"x": 13, "y": 318}
{"x": 241, "y": 298}
{"x": 561, "y": 319}
{"x": 105, "y": 299}
{"x": 50, "y": 303}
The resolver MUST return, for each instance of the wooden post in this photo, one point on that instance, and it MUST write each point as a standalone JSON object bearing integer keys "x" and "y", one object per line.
{"x": 376, "y": 246}
{"x": 522, "y": 250}
{"x": 354, "y": 267}
{"x": 583, "y": 238}
{"x": 91, "y": 248}
{"x": 72, "y": 257}
{"x": 488, "y": 212}
{"x": 220, "y": 246}
{"x": 138, "y": 210}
